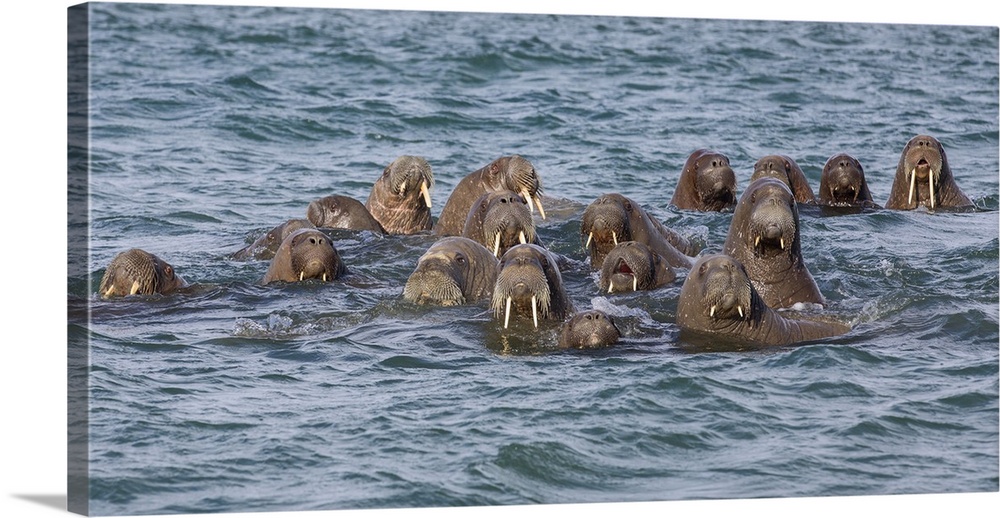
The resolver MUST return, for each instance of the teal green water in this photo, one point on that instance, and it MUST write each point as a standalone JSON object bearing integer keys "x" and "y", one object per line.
{"x": 210, "y": 125}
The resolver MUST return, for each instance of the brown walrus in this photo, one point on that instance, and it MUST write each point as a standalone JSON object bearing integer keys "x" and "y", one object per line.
{"x": 718, "y": 298}
{"x": 529, "y": 282}
{"x": 613, "y": 218}
{"x": 632, "y": 266}
{"x": 512, "y": 173}
{"x": 305, "y": 254}
{"x": 707, "y": 183}
{"x": 843, "y": 183}
{"x": 138, "y": 272}
{"x": 266, "y": 245}
{"x": 342, "y": 212}
{"x": 923, "y": 177}
{"x": 454, "y": 270}
{"x": 592, "y": 329}
{"x": 785, "y": 169}
{"x": 500, "y": 220}
{"x": 764, "y": 238}
{"x": 400, "y": 199}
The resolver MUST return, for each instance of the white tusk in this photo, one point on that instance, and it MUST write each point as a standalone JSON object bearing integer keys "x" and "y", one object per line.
{"x": 324, "y": 276}
{"x": 589, "y": 237}
{"x": 506, "y": 315}
{"x": 756, "y": 241}
{"x": 496, "y": 246}
{"x": 538, "y": 201}
{"x": 913, "y": 183}
{"x": 135, "y": 288}
{"x": 740, "y": 310}
{"x": 402, "y": 189}
{"x": 426, "y": 193}
{"x": 611, "y": 286}
{"x": 711, "y": 311}
{"x": 110, "y": 291}
{"x": 614, "y": 237}
{"x": 932, "y": 188}
{"x": 534, "y": 312}
{"x": 522, "y": 238}
{"x": 528, "y": 198}
{"x": 635, "y": 283}
{"x": 782, "y": 243}
{"x": 302, "y": 275}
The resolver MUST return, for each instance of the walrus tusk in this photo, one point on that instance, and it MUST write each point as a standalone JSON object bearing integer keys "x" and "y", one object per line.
{"x": 614, "y": 237}
{"x": 538, "y": 201}
{"x": 135, "y": 288}
{"x": 635, "y": 283}
{"x": 589, "y": 237}
{"x": 521, "y": 237}
{"x": 932, "y": 188}
{"x": 739, "y": 309}
{"x": 426, "y": 193}
{"x": 496, "y": 246}
{"x": 506, "y": 315}
{"x": 782, "y": 245}
{"x": 756, "y": 241}
{"x": 528, "y": 199}
{"x": 324, "y": 276}
{"x": 534, "y": 311}
{"x": 711, "y": 312}
{"x": 302, "y": 275}
{"x": 611, "y": 286}
{"x": 110, "y": 291}
{"x": 913, "y": 183}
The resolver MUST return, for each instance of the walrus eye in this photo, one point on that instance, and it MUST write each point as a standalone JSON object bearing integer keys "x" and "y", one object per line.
{"x": 460, "y": 259}
{"x": 628, "y": 206}
{"x": 169, "y": 272}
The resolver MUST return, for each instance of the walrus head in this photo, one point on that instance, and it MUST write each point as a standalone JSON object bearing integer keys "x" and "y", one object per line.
{"x": 843, "y": 181}
{"x": 632, "y": 266}
{"x": 305, "y": 254}
{"x": 773, "y": 221}
{"x": 265, "y": 246}
{"x": 714, "y": 181}
{"x": 500, "y": 220}
{"x": 440, "y": 276}
{"x": 528, "y": 281}
{"x": 589, "y": 330}
{"x": 515, "y": 173}
{"x": 923, "y": 162}
{"x": 605, "y": 224}
{"x": 722, "y": 292}
{"x": 410, "y": 177}
{"x": 137, "y": 272}
{"x": 341, "y": 212}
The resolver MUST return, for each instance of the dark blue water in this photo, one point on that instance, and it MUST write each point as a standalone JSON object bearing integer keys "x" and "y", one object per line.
{"x": 210, "y": 125}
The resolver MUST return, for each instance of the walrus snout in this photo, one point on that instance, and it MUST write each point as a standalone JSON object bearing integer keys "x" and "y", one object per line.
{"x": 433, "y": 285}
{"x": 589, "y": 330}
{"x": 521, "y": 284}
{"x": 137, "y": 272}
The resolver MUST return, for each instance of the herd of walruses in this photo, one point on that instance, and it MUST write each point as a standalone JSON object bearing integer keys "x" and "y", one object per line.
{"x": 486, "y": 246}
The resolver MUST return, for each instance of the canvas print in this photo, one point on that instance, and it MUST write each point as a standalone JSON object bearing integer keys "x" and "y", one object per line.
{"x": 329, "y": 259}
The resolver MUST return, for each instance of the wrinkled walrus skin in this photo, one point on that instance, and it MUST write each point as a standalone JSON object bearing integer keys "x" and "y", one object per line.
{"x": 785, "y": 169}
{"x": 138, "y": 272}
{"x": 512, "y": 173}
{"x": 718, "y": 299}
{"x": 591, "y": 329}
{"x": 305, "y": 254}
{"x": 529, "y": 285}
{"x": 454, "y": 270}
{"x": 707, "y": 183}
{"x": 613, "y": 218}
{"x": 400, "y": 199}
{"x": 924, "y": 178}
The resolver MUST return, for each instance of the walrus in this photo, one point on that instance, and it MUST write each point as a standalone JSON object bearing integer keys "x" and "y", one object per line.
{"x": 613, "y": 218}
{"x": 719, "y": 298}
{"x": 592, "y": 329}
{"x": 529, "y": 282}
{"x": 400, "y": 199}
{"x": 632, "y": 266}
{"x": 707, "y": 183}
{"x": 843, "y": 183}
{"x": 785, "y": 169}
{"x": 512, "y": 173}
{"x": 266, "y": 245}
{"x": 342, "y": 212}
{"x": 923, "y": 177}
{"x": 306, "y": 253}
{"x": 454, "y": 270}
{"x": 499, "y": 220}
{"x": 138, "y": 272}
{"x": 764, "y": 238}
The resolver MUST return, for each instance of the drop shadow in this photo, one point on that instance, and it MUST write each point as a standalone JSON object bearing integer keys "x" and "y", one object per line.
{"x": 54, "y": 501}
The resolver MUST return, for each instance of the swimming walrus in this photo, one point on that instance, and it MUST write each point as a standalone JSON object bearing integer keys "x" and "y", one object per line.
{"x": 764, "y": 238}
{"x": 613, "y": 218}
{"x": 266, "y": 245}
{"x": 843, "y": 183}
{"x": 529, "y": 282}
{"x": 592, "y": 329}
{"x": 499, "y": 220}
{"x": 454, "y": 270}
{"x": 633, "y": 266}
{"x": 707, "y": 183}
{"x": 513, "y": 173}
{"x": 400, "y": 199}
{"x": 719, "y": 299}
{"x": 305, "y": 254}
{"x": 785, "y": 169}
{"x": 138, "y": 272}
{"x": 923, "y": 177}
{"x": 338, "y": 211}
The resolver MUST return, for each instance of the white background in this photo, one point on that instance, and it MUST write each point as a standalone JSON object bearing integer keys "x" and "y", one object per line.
{"x": 33, "y": 273}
